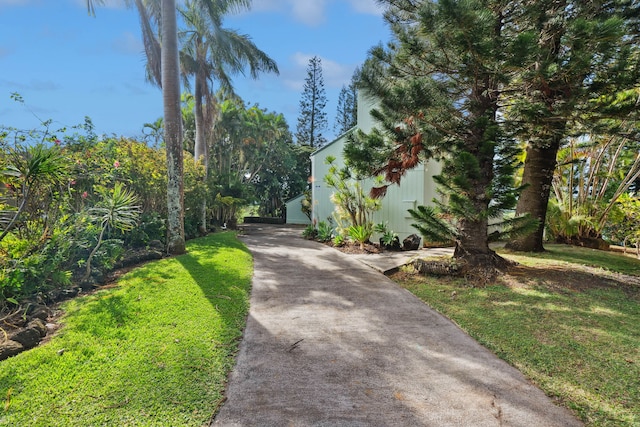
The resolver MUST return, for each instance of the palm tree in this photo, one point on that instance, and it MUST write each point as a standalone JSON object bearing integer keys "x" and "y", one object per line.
{"x": 168, "y": 77}
{"x": 172, "y": 128}
{"x": 213, "y": 53}
{"x": 154, "y": 131}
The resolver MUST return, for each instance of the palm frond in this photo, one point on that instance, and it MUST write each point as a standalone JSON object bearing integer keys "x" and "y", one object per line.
{"x": 431, "y": 226}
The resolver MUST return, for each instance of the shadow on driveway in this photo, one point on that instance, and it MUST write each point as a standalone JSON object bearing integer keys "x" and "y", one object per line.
{"x": 331, "y": 342}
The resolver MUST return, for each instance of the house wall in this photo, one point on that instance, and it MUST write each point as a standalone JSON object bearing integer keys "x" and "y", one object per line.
{"x": 417, "y": 186}
{"x": 294, "y": 211}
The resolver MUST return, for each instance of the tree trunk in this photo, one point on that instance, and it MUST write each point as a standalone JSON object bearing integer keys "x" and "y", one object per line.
{"x": 200, "y": 148}
{"x": 172, "y": 129}
{"x": 473, "y": 252}
{"x": 472, "y": 244}
{"x": 548, "y": 129}
{"x": 87, "y": 271}
{"x": 539, "y": 167}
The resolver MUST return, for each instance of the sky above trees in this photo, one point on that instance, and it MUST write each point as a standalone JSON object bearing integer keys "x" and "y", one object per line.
{"x": 67, "y": 65}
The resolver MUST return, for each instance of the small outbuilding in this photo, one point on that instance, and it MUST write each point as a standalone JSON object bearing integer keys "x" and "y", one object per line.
{"x": 294, "y": 211}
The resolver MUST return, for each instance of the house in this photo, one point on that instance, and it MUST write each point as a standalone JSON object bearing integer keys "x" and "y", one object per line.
{"x": 417, "y": 186}
{"x": 294, "y": 211}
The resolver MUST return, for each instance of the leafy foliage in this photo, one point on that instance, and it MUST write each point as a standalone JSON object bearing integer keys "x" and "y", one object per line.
{"x": 361, "y": 233}
{"x": 592, "y": 174}
{"x": 572, "y": 54}
{"x": 438, "y": 85}
{"x": 255, "y": 158}
{"x": 29, "y": 171}
{"x": 325, "y": 231}
{"x": 61, "y": 186}
{"x": 115, "y": 210}
{"x": 352, "y": 205}
{"x": 623, "y": 226}
{"x": 389, "y": 238}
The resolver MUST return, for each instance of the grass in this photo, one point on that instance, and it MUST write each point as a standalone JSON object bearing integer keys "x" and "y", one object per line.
{"x": 572, "y": 329}
{"x": 154, "y": 350}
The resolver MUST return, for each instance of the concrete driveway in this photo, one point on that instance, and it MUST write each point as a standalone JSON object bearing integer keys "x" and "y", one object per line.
{"x": 332, "y": 342}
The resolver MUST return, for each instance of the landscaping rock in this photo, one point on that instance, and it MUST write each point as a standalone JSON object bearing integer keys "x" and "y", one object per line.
{"x": 30, "y": 336}
{"x": 411, "y": 243}
{"x": 38, "y": 325}
{"x": 436, "y": 267}
{"x": 138, "y": 257}
{"x": 40, "y": 312}
{"x": 157, "y": 245}
{"x": 10, "y": 348}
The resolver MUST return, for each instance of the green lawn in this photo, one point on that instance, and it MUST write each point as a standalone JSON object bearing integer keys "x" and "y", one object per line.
{"x": 573, "y": 331}
{"x": 155, "y": 350}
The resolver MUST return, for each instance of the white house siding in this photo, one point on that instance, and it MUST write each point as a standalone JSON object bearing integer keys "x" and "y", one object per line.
{"x": 294, "y": 211}
{"x": 321, "y": 193}
{"x": 417, "y": 188}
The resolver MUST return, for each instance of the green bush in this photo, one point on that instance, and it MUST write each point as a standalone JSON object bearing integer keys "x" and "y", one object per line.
{"x": 361, "y": 233}
{"x": 151, "y": 227}
{"x": 338, "y": 240}
{"x": 309, "y": 232}
{"x": 324, "y": 232}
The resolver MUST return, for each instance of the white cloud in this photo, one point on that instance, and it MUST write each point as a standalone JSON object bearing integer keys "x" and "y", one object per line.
{"x": 334, "y": 74}
{"x": 128, "y": 43}
{"x": 309, "y": 12}
{"x": 313, "y": 12}
{"x": 367, "y": 6}
{"x": 268, "y": 5}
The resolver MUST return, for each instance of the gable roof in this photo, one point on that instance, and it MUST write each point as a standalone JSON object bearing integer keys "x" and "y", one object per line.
{"x": 338, "y": 138}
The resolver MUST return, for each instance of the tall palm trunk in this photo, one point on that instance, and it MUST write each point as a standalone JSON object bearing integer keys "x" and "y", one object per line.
{"x": 172, "y": 128}
{"x": 200, "y": 149}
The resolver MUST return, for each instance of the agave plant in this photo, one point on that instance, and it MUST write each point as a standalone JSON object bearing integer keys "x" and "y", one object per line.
{"x": 361, "y": 233}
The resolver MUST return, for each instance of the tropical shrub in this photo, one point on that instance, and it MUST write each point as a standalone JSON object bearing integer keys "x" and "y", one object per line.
{"x": 324, "y": 231}
{"x": 389, "y": 239}
{"x": 592, "y": 175}
{"x": 51, "y": 195}
{"x": 117, "y": 211}
{"x": 338, "y": 240}
{"x": 352, "y": 204}
{"x": 623, "y": 226}
{"x": 151, "y": 227}
{"x": 361, "y": 234}
{"x": 309, "y": 232}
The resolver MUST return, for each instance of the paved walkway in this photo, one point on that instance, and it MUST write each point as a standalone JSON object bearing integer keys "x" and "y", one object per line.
{"x": 332, "y": 342}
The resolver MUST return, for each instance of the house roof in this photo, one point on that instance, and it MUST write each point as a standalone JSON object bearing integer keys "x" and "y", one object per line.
{"x": 338, "y": 138}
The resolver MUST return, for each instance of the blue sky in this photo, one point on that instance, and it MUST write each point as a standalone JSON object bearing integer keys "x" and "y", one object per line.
{"x": 67, "y": 65}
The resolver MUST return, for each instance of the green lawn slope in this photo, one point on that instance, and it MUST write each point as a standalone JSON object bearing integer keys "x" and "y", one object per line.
{"x": 155, "y": 350}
